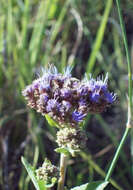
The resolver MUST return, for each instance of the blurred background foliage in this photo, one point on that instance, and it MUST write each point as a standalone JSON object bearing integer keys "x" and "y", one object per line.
{"x": 87, "y": 35}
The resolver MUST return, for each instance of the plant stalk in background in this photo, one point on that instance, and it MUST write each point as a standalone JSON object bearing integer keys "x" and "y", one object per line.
{"x": 129, "y": 121}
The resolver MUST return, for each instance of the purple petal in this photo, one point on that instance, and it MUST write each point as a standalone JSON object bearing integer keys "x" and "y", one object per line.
{"x": 77, "y": 116}
{"x": 94, "y": 97}
{"x": 109, "y": 97}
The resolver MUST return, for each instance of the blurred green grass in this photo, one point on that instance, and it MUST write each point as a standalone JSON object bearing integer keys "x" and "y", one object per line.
{"x": 86, "y": 35}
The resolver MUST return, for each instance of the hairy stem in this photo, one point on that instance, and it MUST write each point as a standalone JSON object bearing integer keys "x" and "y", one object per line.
{"x": 63, "y": 165}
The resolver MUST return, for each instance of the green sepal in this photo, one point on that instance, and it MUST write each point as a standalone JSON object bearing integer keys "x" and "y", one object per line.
{"x": 43, "y": 185}
{"x": 63, "y": 151}
{"x": 67, "y": 151}
{"x": 53, "y": 181}
{"x": 73, "y": 152}
{"x": 51, "y": 122}
{"x": 97, "y": 185}
{"x": 81, "y": 124}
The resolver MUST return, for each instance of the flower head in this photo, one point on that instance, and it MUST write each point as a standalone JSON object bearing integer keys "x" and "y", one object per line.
{"x": 66, "y": 99}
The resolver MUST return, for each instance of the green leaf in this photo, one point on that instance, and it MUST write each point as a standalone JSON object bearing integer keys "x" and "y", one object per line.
{"x": 67, "y": 151}
{"x": 39, "y": 184}
{"x": 42, "y": 184}
{"x": 81, "y": 187}
{"x": 102, "y": 185}
{"x": 63, "y": 151}
{"x": 97, "y": 185}
{"x": 31, "y": 173}
{"x": 51, "y": 122}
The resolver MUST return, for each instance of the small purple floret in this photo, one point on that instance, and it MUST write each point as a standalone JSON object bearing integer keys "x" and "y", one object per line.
{"x": 44, "y": 98}
{"x": 109, "y": 97}
{"x": 52, "y": 104}
{"x": 29, "y": 90}
{"x": 65, "y": 93}
{"x": 36, "y": 84}
{"x": 83, "y": 91}
{"x": 82, "y": 102}
{"x": 64, "y": 108}
{"x": 56, "y": 94}
{"x": 67, "y": 105}
{"x": 44, "y": 87}
{"x": 77, "y": 116}
{"x": 67, "y": 71}
{"x": 94, "y": 97}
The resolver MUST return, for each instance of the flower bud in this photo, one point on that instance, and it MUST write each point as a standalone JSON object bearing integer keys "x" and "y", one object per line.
{"x": 71, "y": 138}
{"x": 47, "y": 172}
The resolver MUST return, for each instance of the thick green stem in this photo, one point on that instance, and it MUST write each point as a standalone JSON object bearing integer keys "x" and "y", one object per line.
{"x": 109, "y": 173}
{"x": 63, "y": 165}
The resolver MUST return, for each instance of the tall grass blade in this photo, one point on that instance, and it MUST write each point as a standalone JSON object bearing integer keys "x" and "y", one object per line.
{"x": 99, "y": 37}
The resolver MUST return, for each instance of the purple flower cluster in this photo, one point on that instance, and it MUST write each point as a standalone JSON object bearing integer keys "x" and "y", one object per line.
{"x": 65, "y": 99}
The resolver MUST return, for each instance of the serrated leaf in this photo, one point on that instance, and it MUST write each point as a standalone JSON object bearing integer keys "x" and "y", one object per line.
{"x": 51, "y": 122}
{"x": 31, "y": 174}
{"x": 63, "y": 151}
{"x": 97, "y": 185}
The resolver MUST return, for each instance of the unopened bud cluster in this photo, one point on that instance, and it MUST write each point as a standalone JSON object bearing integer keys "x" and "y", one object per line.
{"x": 47, "y": 172}
{"x": 65, "y": 99}
{"x": 71, "y": 138}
